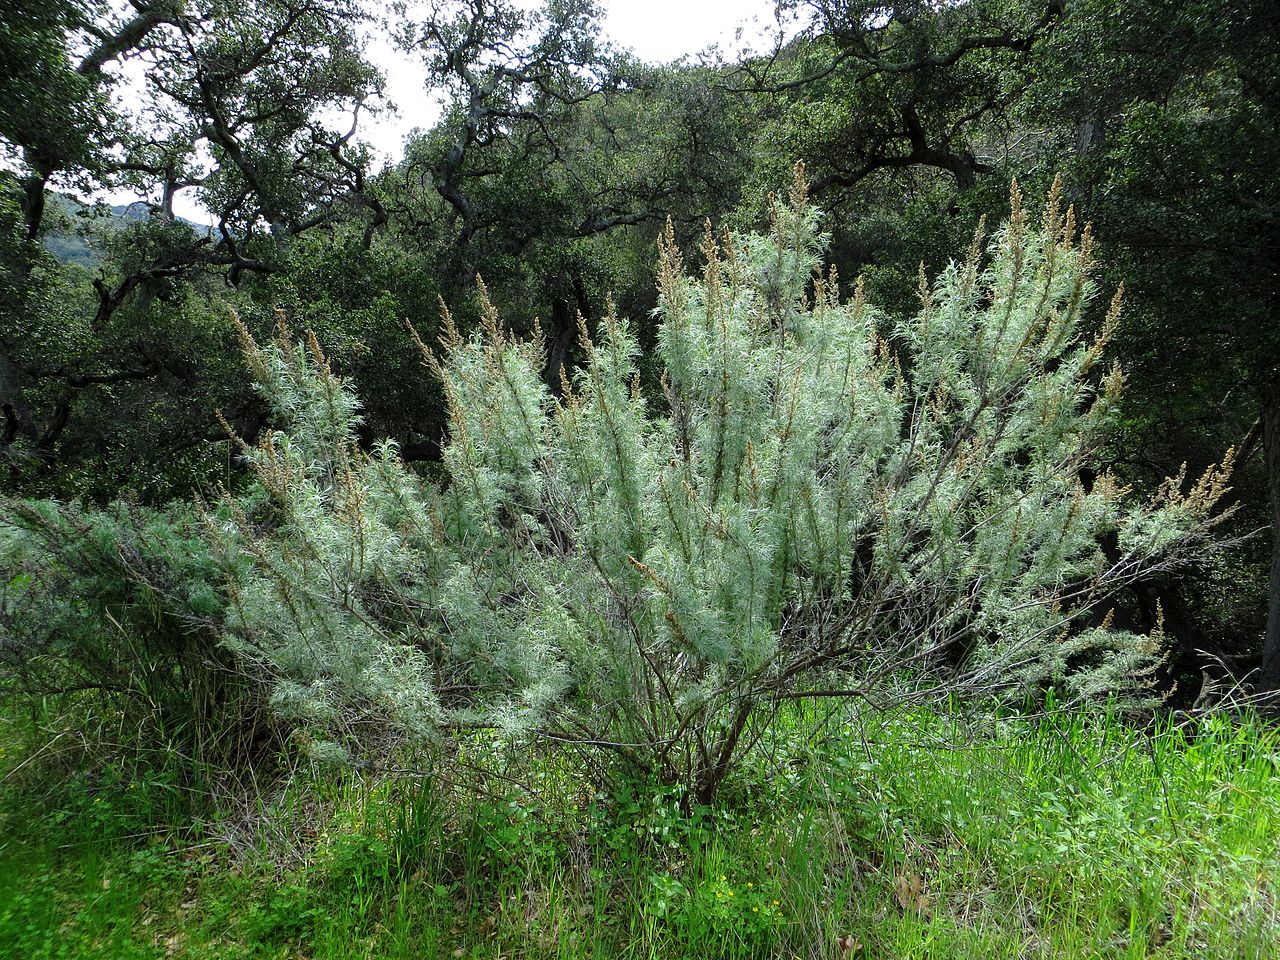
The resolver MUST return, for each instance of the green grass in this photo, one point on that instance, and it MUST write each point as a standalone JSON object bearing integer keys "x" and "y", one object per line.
{"x": 910, "y": 834}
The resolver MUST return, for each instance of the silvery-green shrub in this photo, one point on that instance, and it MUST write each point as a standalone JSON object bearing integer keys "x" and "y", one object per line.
{"x": 825, "y": 501}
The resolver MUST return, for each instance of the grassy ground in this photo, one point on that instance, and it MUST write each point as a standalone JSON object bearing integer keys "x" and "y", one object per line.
{"x": 903, "y": 835}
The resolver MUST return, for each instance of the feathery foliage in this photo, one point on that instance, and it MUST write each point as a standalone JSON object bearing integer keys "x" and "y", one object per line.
{"x": 830, "y": 502}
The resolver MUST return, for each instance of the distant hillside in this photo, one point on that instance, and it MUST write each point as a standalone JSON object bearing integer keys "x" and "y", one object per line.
{"x": 75, "y": 228}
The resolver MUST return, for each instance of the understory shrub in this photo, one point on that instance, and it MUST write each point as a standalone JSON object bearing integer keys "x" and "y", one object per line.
{"x": 826, "y": 501}
{"x": 116, "y": 615}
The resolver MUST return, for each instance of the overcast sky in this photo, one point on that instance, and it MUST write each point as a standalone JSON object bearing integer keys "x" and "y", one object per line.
{"x": 657, "y": 30}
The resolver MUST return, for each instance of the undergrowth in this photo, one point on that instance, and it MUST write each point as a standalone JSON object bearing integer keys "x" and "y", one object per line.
{"x": 907, "y": 834}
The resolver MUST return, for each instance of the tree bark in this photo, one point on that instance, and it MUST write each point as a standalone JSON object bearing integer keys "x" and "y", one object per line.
{"x": 558, "y": 339}
{"x": 33, "y": 202}
{"x": 1271, "y": 451}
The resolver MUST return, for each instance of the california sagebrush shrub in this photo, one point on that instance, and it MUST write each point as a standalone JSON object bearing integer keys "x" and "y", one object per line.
{"x": 116, "y": 615}
{"x": 826, "y": 502}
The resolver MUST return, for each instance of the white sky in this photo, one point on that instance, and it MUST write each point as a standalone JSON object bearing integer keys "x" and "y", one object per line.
{"x": 657, "y": 30}
{"x": 663, "y": 30}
